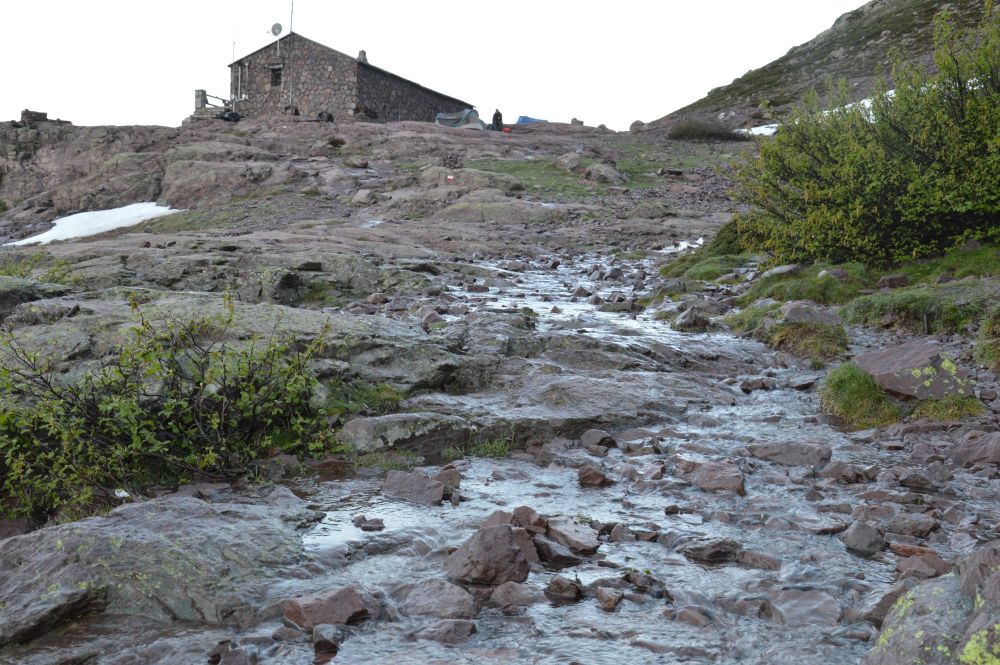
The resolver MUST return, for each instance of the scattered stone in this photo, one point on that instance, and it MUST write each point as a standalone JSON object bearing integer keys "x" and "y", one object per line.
{"x": 717, "y": 477}
{"x": 327, "y": 638}
{"x": 591, "y": 476}
{"x": 804, "y": 607}
{"x": 366, "y": 524}
{"x": 413, "y": 486}
{"x": 609, "y": 598}
{"x": 554, "y": 553}
{"x": 490, "y": 556}
{"x": 894, "y": 281}
{"x": 691, "y": 320}
{"x": 806, "y": 311}
{"x": 448, "y": 631}
{"x": 712, "y": 550}
{"x": 907, "y": 524}
{"x": 792, "y": 453}
{"x": 597, "y": 437}
{"x": 345, "y": 605}
{"x": 563, "y": 589}
{"x": 788, "y": 269}
{"x": 862, "y": 538}
{"x": 758, "y": 560}
{"x": 579, "y": 538}
{"x": 438, "y": 598}
{"x": 513, "y": 594}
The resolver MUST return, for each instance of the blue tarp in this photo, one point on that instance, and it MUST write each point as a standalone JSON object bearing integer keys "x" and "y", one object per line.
{"x": 527, "y": 120}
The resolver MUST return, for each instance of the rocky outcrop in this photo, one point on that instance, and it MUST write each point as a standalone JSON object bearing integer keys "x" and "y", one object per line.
{"x": 184, "y": 559}
{"x": 916, "y": 370}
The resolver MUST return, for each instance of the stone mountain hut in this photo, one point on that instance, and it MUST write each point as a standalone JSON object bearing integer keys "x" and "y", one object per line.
{"x": 295, "y": 75}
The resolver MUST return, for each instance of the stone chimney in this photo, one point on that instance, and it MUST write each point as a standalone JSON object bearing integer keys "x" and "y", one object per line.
{"x": 362, "y": 56}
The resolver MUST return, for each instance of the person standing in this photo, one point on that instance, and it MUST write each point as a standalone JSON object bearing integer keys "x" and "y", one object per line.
{"x": 497, "y": 120}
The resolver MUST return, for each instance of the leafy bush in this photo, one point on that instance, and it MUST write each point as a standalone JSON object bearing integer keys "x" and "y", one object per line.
{"x": 172, "y": 404}
{"x": 907, "y": 177}
{"x": 700, "y": 129}
{"x": 852, "y": 395}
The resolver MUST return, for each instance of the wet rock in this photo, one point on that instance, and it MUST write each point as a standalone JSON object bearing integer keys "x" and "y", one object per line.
{"x": 712, "y": 550}
{"x": 803, "y": 607}
{"x": 758, "y": 383}
{"x": 923, "y": 567}
{"x": 917, "y": 525}
{"x": 981, "y": 450}
{"x": 437, "y": 598}
{"x": 563, "y": 589}
{"x": 522, "y": 537}
{"x": 513, "y": 594}
{"x": 16, "y": 290}
{"x": 916, "y": 370}
{"x": 450, "y": 477}
{"x": 717, "y": 477}
{"x": 579, "y": 538}
{"x": 803, "y": 381}
{"x": 554, "y": 553}
{"x": 930, "y": 478}
{"x": 448, "y": 631}
{"x": 862, "y": 538}
{"x": 410, "y": 430}
{"x": 609, "y": 598}
{"x": 842, "y": 472}
{"x": 327, "y": 638}
{"x": 591, "y": 476}
{"x": 878, "y": 605}
{"x": 528, "y": 519}
{"x": 345, "y": 605}
{"x": 366, "y": 524}
{"x": 691, "y": 320}
{"x": 758, "y": 560}
{"x": 597, "y": 437}
{"x": 413, "y": 486}
{"x": 792, "y": 453}
{"x": 621, "y": 534}
{"x": 490, "y": 556}
{"x": 177, "y": 550}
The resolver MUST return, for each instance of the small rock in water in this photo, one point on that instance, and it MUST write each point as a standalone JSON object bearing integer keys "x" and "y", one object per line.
{"x": 327, "y": 638}
{"x": 712, "y": 550}
{"x": 609, "y": 598}
{"x": 862, "y": 538}
{"x": 490, "y": 556}
{"x": 448, "y": 631}
{"x": 413, "y": 486}
{"x": 345, "y": 605}
{"x": 591, "y": 476}
{"x": 563, "y": 589}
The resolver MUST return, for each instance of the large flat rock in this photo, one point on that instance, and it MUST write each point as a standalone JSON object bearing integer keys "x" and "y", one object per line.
{"x": 916, "y": 370}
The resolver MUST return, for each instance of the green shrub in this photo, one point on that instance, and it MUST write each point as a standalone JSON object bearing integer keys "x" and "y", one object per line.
{"x": 727, "y": 242}
{"x": 904, "y": 178}
{"x": 981, "y": 261}
{"x": 703, "y": 129}
{"x": 852, "y": 395}
{"x": 988, "y": 341}
{"x": 929, "y": 309}
{"x": 706, "y": 268}
{"x": 816, "y": 341}
{"x": 952, "y": 407}
{"x": 174, "y": 403}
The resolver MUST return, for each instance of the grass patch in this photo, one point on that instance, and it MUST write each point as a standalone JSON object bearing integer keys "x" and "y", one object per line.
{"x": 361, "y": 397}
{"x": 852, "y": 395}
{"x": 988, "y": 341}
{"x": 702, "y": 129}
{"x": 816, "y": 341}
{"x": 706, "y": 269}
{"x": 982, "y": 261}
{"x": 541, "y": 177}
{"x": 388, "y": 460}
{"x": 749, "y": 319}
{"x": 952, "y": 407}
{"x": 808, "y": 285}
{"x": 944, "y": 308}
{"x": 18, "y": 265}
{"x": 33, "y": 266}
{"x": 493, "y": 448}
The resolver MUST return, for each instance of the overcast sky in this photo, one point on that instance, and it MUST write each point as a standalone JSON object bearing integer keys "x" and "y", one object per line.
{"x": 97, "y": 62}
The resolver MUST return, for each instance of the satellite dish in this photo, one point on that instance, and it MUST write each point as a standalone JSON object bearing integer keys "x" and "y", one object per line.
{"x": 276, "y": 29}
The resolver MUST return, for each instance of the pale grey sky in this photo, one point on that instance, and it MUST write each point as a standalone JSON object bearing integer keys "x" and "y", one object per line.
{"x": 132, "y": 62}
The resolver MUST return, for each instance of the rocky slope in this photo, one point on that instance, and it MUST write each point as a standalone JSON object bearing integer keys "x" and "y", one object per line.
{"x": 669, "y": 496}
{"x": 856, "y": 48}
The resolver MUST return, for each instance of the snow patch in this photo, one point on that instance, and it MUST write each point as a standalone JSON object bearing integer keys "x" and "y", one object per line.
{"x": 98, "y": 221}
